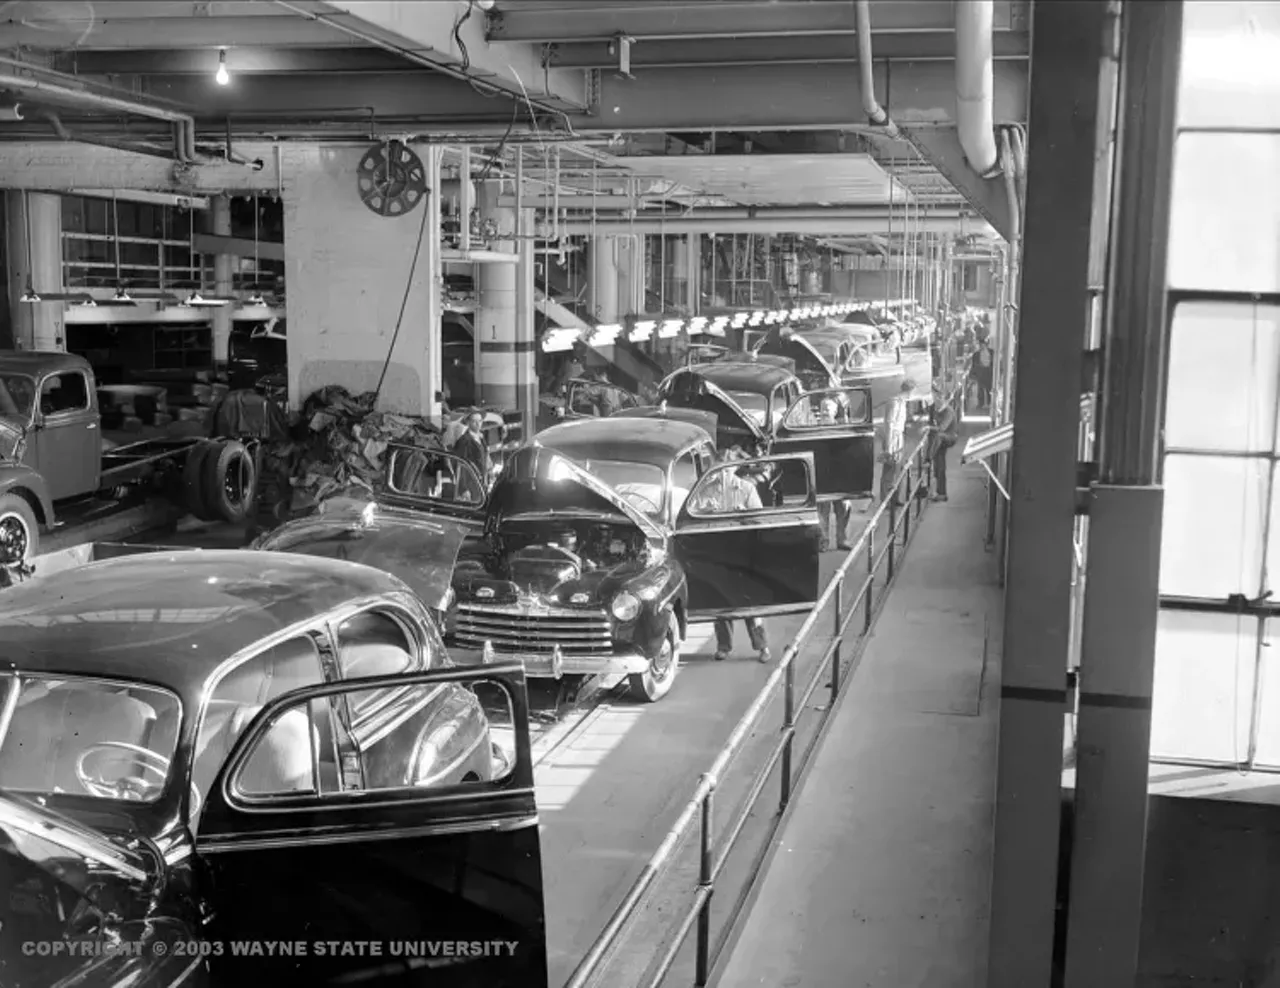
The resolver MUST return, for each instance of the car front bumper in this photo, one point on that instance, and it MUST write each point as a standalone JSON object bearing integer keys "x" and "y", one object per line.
{"x": 555, "y": 664}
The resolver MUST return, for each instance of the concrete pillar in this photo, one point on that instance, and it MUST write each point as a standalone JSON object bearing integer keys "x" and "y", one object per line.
{"x": 604, "y": 279}
{"x": 693, "y": 272}
{"x": 35, "y": 260}
{"x": 678, "y": 278}
{"x": 348, "y": 269}
{"x": 224, "y": 283}
{"x": 505, "y": 362}
{"x": 526, "y": 366}
{"x": 630, "y": 275}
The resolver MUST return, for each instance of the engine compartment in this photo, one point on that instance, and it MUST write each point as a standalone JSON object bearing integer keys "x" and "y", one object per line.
{"x": 540, "y": 555}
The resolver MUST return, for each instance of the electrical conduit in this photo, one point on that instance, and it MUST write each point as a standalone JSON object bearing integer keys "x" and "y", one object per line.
{"x": 866, "y": 77}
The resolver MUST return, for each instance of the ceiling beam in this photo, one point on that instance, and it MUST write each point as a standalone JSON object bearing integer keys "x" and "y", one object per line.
{"x": 423, "y": 96}
{"x": 283, "y": 30}
{"x": 240, "y": 61}
{"x": 522, "y": 20}
{"x": 941, "y": 146}
{"x": 699, "y": 53}
{"x": 57, "y": 167}
{"x": 429, "y": 33}
{"x": 791, "y": 97}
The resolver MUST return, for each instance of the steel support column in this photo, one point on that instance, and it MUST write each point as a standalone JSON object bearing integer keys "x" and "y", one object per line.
{"x": 1066, "y": 53}
{"x": 1125, "y": 519}
{"x": 35, "y": 260}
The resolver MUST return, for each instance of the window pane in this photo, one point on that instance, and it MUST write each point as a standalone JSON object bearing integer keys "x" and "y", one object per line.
{"x": 1273, "y": 537}
{"x": 1269, "y": 702}
{"x": 1213, "y": 525}
{"x": 374, "y": 644}
{"x": 1203, "y": 693}
{"x": 1224, "y": 362}
{"x": 1229, "y": 54}
{"x": 1225, "y": 229}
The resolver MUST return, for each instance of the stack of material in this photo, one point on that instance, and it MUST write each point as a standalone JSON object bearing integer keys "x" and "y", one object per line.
{"x": 342, "y": 445}
{"x": 192, "y": 397}
{"x": 131, "y": 406}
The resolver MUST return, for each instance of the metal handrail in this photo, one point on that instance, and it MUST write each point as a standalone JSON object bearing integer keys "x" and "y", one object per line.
{"x": 918, "y": 465}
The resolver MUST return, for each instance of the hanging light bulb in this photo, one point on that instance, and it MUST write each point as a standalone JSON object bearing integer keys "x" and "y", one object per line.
{"x": 222, "y": 76}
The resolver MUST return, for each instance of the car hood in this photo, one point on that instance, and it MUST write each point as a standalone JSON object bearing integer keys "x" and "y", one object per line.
{"x": 421, "y": 551}
{"x": 683, "y": 389}
{"x": 537, "y": 479}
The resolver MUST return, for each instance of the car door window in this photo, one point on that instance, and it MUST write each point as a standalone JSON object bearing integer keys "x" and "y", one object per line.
{"x": 62, "y": 394}
{"x": 238, "y": 697}
{"x": 426, "y": 736}
{"x": 684, "y": 476}
{"x": 827, "y": 408}
{"x": 433, "y": 475}
{"x": 746, "y": 487}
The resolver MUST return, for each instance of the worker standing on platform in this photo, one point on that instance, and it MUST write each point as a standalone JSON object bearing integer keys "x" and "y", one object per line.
{"x": 730, "y": 493}
{"x": 893, "y": 439}
{"x": 944, "y": 432}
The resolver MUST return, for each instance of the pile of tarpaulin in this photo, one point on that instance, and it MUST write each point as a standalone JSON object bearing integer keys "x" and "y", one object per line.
{"x": 338, "y": 444}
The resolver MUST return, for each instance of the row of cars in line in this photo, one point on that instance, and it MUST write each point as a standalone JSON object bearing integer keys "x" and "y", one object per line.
{"x": 324, "y": 741}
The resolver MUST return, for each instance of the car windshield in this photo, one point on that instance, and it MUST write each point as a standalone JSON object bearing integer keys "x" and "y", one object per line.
{"x": 640, "y": 483}
{"x": 757, "y": 406}
{"x": 17, "y": 395}
{"x": 86, "y": 737}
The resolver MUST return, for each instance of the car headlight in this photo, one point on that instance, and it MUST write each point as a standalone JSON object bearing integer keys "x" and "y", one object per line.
{"x": 626, "y": 606}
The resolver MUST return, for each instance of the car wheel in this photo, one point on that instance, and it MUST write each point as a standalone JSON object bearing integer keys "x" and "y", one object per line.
{"x": 655, "y": 682}
{"x": 19, "y": 531}
{"x": 231, "y": 482}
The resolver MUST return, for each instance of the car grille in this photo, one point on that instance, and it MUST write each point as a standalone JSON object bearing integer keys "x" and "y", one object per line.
{"x": 512, "y": 629}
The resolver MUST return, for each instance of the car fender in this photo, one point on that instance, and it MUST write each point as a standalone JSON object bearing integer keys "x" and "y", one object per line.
{"x": 22, "y": 479}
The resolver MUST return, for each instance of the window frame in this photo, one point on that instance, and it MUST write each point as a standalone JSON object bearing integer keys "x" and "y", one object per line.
{"x": 65, "y": 412}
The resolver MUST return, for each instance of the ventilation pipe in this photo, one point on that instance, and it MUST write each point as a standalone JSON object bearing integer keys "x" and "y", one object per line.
{"x": 866, "y": 77}
{"x": 184, "y": 125}
{"x": 64, "y": 135}
{"x": 975, "y": 85}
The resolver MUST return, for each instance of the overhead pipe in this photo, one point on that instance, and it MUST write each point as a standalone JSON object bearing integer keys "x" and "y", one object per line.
{"x": 813, "y": 223}
{"x": 64, "y": 135}
{"x": 184, "y": 123}
{"x": 975, "y": 85}
{"x": 866, "y": 76}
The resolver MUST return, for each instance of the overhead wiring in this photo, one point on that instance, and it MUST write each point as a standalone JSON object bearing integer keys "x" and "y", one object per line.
{"x": 404, "y": 301}
{"x": 491, "y": 93}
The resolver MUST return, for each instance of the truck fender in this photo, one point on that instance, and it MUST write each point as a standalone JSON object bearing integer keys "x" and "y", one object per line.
{"x": 21, "y": 479}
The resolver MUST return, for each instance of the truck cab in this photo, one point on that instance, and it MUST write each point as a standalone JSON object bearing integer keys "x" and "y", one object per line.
{"x": 53, "y": 398}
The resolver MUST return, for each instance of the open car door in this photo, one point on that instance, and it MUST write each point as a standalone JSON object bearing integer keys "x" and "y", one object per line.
{"x": 835, "y": 426}
{"x": 363, "y": 855}
{"x": 748, "y": 538}
{"x": 435, "y": 483}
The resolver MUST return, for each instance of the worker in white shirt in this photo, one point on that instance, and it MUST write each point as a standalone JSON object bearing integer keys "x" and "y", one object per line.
{"x": 893, "y": 439}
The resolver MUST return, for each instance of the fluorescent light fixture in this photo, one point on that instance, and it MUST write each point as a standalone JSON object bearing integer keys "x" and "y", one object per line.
{"x": 198, "y": 301}
{"x": 670, "y": 328}
{"x": 642, "y": 331}
{"x": 604, "y": 335}
{"x": 716, "y": 329}
{"x": 86, "y": 303}
{"x": 255, "y": 300}
{"x": 29, "y": 296}
{"x": 557, "y": 343}
{"x": 697, "y": 324}
{"x": 222, "y": 76}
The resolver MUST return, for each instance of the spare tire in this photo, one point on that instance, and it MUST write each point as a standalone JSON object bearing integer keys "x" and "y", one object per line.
{"x": 193, "y": 482}
{"x": 231, "y": 481}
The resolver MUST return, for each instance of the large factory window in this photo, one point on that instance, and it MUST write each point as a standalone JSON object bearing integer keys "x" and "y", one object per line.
{"x": 1217, "y": 684}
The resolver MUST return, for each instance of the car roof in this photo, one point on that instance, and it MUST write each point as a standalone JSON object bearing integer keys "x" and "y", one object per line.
{"x": 35, "y": 362}
{"x": 743, "y": 375}
{"x": 654, "y": 441}
{"x": 172, "y": 617}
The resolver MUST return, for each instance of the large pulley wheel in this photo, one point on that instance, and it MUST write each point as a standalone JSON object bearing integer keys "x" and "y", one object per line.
{"x": 392, "y": 179}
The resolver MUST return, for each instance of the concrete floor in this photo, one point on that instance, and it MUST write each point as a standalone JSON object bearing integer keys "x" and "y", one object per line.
{"x": 879, "y": 879}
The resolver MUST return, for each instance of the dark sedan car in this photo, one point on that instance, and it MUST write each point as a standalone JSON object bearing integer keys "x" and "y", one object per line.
{"x": 761, "y": 406}
{"x": 199, "y": 749}
{"x": 600, "y": 543}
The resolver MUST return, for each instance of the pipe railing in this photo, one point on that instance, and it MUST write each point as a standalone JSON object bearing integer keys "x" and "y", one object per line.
{"x": 905, "y": 502}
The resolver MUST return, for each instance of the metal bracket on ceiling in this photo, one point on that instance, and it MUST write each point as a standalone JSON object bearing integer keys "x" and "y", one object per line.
{"x": 593, "y": 90}
{"x": 620, "y": 47}
{"x": 204, "y": 9}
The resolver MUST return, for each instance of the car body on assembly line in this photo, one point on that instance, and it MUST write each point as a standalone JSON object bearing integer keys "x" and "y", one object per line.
{"x": 590, "y": 555}
{"x": 763, "y": 407}
{"x": 206, "y": 748}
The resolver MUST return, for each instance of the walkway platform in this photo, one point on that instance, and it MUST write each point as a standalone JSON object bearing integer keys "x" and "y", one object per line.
{"x": 880, "y": 877}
